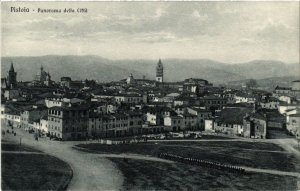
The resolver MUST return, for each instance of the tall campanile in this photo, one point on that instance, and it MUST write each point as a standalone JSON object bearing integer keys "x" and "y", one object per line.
{"x": 159, "y": 72}
{"x": 12, "y": 77}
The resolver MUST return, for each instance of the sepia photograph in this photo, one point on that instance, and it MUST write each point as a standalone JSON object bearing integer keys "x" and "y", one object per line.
{"x": 150, "y": 95}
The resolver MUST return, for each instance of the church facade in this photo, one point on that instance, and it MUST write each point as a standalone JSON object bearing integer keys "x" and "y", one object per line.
{"x": 42, "y": 78}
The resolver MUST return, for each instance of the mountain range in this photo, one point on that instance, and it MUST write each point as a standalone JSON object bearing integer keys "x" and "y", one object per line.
{"x": 104, "y": 70}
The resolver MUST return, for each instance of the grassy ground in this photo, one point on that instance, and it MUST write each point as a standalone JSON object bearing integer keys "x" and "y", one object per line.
{"x": 148, "y": 175}
{"x": 33, "y": 172}
{"x": 15, "y": 147}
{"x": 215, "y": 137}
{"x": 224, "y": 152}
{"x": 233, "y": 144}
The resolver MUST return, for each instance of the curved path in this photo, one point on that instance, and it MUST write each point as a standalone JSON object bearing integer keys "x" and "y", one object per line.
{"x": 268, "y": 171}
{"x": 133, "y": 156}
{"x": 150, "y": 158}
{"x": 89, "y": 171}
{"x": 24, "y": 152}
{"x": 250, "y": 169}
{"x": 288, "y": 145}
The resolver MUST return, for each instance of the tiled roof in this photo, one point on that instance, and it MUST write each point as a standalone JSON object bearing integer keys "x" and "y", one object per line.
{"x": 80, "y": 107}
{"x": 233, "y": 115}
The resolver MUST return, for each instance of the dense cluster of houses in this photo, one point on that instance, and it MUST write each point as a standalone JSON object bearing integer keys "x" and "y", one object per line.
{"x": 74, "y": 110}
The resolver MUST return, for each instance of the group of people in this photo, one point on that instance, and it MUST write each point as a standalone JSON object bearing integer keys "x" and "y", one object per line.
{"x": 204, "y": 163}
{"x": 7, "y": 131}
{"x": 123, "y": 141}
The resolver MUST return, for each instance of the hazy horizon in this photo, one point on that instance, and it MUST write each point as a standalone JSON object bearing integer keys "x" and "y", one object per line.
{"x": 156, "y": 59}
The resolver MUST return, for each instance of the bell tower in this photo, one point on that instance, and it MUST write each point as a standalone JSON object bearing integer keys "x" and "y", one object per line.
{"x": 12, "y": 77}
{"x": 159, "y": 72}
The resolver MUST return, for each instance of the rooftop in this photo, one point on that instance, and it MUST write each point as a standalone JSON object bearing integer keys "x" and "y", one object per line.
{"x": 233, "y": 115}
{"x": 295, "y": 115}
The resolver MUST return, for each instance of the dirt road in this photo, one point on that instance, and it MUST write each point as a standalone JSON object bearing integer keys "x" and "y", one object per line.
{"x": 90, "y": 172}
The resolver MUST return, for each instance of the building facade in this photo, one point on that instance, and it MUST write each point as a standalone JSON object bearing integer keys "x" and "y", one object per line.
{"x": 68, "y": 123}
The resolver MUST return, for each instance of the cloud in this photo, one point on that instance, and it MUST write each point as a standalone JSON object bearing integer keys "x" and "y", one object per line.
{"x": 158, "y": 37}
{"x": 215, "y": 30}
{"x": 276, "y": 32}
{"x": 247, "y": 41}
{"x": 200, "y": 17}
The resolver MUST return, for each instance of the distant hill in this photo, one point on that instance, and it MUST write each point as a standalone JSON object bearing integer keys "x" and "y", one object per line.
{"x": 101, "y": 69}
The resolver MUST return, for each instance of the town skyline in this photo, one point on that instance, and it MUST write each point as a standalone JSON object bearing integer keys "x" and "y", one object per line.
{"x": 105, "y": 70}
{"x": 232, "y": 33}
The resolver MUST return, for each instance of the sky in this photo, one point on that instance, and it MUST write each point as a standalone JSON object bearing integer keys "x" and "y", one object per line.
{"x": 231, "y": 32}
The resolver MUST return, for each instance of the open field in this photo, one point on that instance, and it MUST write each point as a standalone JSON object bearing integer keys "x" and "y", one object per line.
{"x": 228, "y": 144}
{"x": 256, "y": 155}
{"x": 15, "y": 147}
{"x": 149, "y": 175}
{"x": 26, "y": 171}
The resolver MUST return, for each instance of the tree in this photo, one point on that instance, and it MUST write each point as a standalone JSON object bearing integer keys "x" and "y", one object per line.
{"x": 251, "y": 83}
